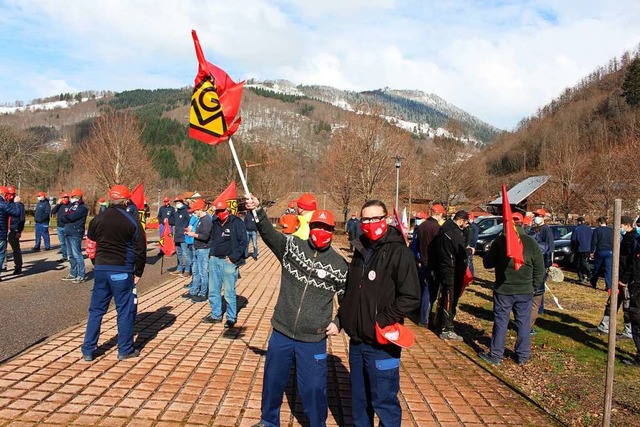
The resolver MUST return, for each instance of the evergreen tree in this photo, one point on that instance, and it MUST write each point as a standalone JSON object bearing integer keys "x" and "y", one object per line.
{"x": 631, "y": 85}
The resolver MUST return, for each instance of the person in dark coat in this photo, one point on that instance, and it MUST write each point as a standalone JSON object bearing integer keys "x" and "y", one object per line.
{"x": 581, "y": 246}
{"x": 184, "y": 253}
{"x": 74, "y": 220}
{"x": 7, "y": 209}
{"x": 228, "y": 244}
{"x": 602, "y": 252}
{"x": 166, "y": 212}
{"x": 471, "y": 234}
{"x": 625, "y": 275}
{"x": 452, "y": 266}
{"x": 513, "y": 292}
{"x": 382, "y": 289}
{"x": 119, "y": 261}
{"x": 42, "y": 216}
{"x": 16, "y": 227}
{"x": 542, "y": 234}
{"x": 425, "y": 235}
{"x": 59, "y": 210}
{"x": 353, "y": 229}
{"x": 252, "y": 235}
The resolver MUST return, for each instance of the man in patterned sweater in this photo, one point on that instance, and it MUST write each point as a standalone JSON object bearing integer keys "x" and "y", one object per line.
{"x": 312, "y": 273}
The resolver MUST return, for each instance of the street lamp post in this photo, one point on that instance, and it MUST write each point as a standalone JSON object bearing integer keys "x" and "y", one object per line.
{"x": 158, "y": 198}
{"x": 398, "y": 159}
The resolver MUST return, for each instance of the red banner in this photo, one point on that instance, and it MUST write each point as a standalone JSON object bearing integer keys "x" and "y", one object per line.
{"x": 515, "y": 249}
{"x": 166, "y": 243}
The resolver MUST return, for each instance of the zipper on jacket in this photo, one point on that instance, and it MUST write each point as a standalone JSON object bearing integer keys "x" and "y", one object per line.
{"x": 295, "y": 325}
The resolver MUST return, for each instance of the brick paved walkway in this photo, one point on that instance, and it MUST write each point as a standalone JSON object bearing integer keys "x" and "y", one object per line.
{"x": 192, "y": 373}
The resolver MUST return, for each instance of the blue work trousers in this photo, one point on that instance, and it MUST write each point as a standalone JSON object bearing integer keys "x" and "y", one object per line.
{"x": 375, "y": 383}
{"x": 602, "y": 259}
{"x": 311, "y": 378}
{"x": 42, "y": 232}
{"x": 76, "y": 260}
{"x": 63, "y": 243}
{"x": 521, "y": 306}
{"x": 200, "y": 277}
{"x": 108, "y": 284}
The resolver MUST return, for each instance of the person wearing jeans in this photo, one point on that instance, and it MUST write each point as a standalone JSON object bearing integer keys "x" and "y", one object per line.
{"x": 201, "y": 235}
{"x": 183, "y": 255}
{"x": 42, "y": 215}
{"x": 120, "y": 257}
{"x": 513, "y": 291}
{"x": 602, "y": 252}
{"x": 74, "y": 220}
{"x": 59, "y": 210}
{"x": 252, "y": 235}
{"x": 228, "y": 244}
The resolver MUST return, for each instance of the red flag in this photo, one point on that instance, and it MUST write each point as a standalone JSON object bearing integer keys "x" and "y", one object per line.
{"x": 515, "y": 249}
{"x": 215, "y": 102}
{"x": 230, "y": 193}
{"x": 137, "y": 196}
{"x": 166, "y": 243}
{"x": 398, "y": 224}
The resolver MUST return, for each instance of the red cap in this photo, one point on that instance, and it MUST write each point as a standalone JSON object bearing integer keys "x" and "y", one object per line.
{"x": 421, "y": 215}
{"x": 118, "y": 192}
{"x": 438, "y": 209}
{"x": 166, "y": 199}
{"x": 291, "y": 204}
{"x": 178, "y": 198}
{"x": 197, "y": 205}
{"x": 42, "y": 194}
{"x": 289, "y": 223}
{"x": 11, "y": 190}
{"x": 102, "y": 200}
{"x": 325, "y": 217}
{"x": 219, "y": 205}
{"x": 517, "y": 216}
{"x": 76, "y": 192}
{"x": 527, "y": 220}
{"x": 307, "y": 202}
{"x": 397, "y": 334}
{"x": 63, "y": 195}
{"x": 540, "y": 212}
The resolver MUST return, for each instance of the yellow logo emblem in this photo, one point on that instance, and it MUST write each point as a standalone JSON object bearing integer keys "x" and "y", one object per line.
{"x": 206, "y": 112}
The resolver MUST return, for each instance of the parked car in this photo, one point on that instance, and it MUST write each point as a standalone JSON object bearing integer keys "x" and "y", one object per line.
{"x": 563, "y": 253}
{"x": 486, "y": 222}
{"x": 487, "y": 237}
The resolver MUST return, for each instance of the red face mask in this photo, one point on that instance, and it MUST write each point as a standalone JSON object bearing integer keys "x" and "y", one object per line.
{"x": 320, "y": 238}
{"x": 223, "y": 215}
{"x": 65, "y": 201}
{"x": 374, "y": 230}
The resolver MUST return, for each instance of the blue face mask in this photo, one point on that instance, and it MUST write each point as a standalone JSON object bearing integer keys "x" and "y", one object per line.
{"x": 622, "y": 231}
{"x": 637, "y": 229}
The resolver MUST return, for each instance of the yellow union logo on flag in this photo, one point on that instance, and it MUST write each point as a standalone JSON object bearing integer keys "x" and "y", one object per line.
{"x": 206, "y": 112}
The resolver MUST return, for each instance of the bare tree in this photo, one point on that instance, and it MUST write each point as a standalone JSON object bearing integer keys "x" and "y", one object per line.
{"x": 20, "y": 151}
{"x": 114, "y": 153}
{"x": 339, "y": 175}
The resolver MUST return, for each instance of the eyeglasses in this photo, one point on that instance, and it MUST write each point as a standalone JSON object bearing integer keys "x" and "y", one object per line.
{"x": 365, "y": 220}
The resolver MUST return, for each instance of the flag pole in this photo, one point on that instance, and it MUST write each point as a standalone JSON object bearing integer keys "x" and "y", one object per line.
{"x": 242, "y": 178}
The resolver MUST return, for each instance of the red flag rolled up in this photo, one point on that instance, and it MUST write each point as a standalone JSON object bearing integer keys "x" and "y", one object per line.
{"x": 515, "y": 249}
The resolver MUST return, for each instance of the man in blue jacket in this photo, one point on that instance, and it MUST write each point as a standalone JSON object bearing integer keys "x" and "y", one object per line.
{"x": 228, "y": 243}
{"x": 41, "y": 218}
{"x": 602, "y": 252}
{"x": 581, "y": 246}
{"x": 16, "y": 226}
{"x": 74, "y": 220}
{"x": 6, "y": 209}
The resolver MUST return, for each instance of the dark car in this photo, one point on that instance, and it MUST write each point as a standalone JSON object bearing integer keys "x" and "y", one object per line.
{"x": 563, "y": 253}
{"x": 487, "y": 237}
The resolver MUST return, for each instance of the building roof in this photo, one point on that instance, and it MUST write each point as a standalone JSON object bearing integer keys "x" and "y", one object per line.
{"x": 518, "y": 193}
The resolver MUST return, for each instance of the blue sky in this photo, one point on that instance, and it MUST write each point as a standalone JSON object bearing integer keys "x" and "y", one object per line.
{"x": 499, "y": 60}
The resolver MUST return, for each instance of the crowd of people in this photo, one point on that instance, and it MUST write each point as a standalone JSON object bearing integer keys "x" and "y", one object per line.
{"x": 385, "y": 281}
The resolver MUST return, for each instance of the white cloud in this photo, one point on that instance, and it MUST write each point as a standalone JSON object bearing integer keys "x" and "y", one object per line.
{"x": 497, "y": 60}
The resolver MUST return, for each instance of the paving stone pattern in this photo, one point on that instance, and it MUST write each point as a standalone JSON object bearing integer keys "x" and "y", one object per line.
{"x": 192, "y": 373}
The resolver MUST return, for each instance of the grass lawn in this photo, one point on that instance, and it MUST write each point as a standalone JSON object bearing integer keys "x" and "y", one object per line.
{"x": 566, "y": 374}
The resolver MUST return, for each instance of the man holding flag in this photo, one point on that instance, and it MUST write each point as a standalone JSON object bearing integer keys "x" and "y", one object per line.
{"x": 519, "y": 267}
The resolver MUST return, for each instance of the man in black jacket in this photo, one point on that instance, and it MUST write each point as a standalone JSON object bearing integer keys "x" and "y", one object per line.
{"x": 228, "y": 244}
{"x": 201, "y": 246}
{"x": 382, "y": 288}
{"x": 452, "y": 264}
{"x": 166, "y": 212}
{"x": 74, "y": 220}
{"x": 119, "y": 262}
{"x": 183, "y": 251}
{"x": 7, "y": 209}
{"x": 312, "y": 273}
{"x": 602, "y": 252}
